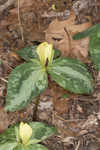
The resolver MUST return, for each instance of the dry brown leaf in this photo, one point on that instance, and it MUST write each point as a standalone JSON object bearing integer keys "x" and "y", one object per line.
{"x": 67, "y": 128}
{"x": 14, "y": 55}
{"x": 23, "y": 3}
{"x": 61, "y": 105}
{"x": 26, "y": 6}
{"x": 60, "y": 33}
{"x": 3, "y": 120}
{"x": 76, "y": 127}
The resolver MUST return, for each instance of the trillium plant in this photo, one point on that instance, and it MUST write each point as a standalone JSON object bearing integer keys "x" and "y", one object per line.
{"x": 26, "y": 136}
{"x": 29, "y": 80}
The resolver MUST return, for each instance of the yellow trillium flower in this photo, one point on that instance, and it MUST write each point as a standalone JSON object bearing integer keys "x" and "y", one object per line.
{"x": 25, "y": 132}
{"x": 45, "y": 52}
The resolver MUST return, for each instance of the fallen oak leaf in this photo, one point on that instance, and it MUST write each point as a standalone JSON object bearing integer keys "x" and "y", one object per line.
{"x": 60, "y": 33}
{"x": 4, "y": 122}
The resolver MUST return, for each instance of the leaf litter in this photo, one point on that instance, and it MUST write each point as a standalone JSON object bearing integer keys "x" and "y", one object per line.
{"x": 60, "y": 34}
{"x": 77, "y": 117}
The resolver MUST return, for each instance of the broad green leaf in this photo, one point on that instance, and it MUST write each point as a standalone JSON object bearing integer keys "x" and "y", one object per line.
{"x": 26, "y": 81}
{"x": 72, "y": 75}
{"x": 19, "y": 147}
{"x": 8, "y": 139}
{"x": 30, "y": 147}
{"x": 41, "y": 131}
{"x": 8, "y": 135}
{"x": 87, "y": 32}
{"x": 17, "y": 133}
{"x": 29, "y": 52}
{"x": 98, "y": 32}
{"x": 36, "y": 147}
{"x": 94, "y": 49}
{"x": 8, "y": 145}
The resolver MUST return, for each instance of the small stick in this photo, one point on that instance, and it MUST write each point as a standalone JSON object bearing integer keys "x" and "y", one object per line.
{"x": 78, "y": 145}
{"x": 19, "y": 19}
{"x": 4, "y": 80}
{"x": 69, "y": 38}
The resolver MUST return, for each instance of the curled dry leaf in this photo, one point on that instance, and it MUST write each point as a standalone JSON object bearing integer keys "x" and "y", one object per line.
{"x": 14, "y": 55}
{"x": 61, "y": 105}
{"x": 60, "y": 34}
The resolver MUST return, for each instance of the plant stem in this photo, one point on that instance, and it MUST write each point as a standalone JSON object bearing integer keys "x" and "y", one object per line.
{"x": 36, "y": 108}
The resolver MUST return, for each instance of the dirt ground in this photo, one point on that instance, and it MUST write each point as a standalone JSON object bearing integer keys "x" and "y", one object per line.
{"x": 77, "y": 117}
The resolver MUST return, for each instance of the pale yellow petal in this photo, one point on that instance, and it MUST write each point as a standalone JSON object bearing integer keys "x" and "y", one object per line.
{"x": 25, "y": 132}
{"x": 45, "y": 51}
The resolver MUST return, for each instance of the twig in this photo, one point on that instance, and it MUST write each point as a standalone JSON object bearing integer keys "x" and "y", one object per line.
{"x": 78, "y": 145}
{"x": 4, "y": 80}
{"x": 19, "y": 19}
{"x": 69, "y": 38}
{"x": 71, "y": 120}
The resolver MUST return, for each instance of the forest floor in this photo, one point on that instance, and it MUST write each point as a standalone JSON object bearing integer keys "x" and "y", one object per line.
{"x": 77, "y": 117}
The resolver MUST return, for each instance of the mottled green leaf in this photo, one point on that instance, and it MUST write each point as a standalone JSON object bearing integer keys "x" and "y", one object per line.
{"x": 20, "y": 147}
{"x": 41, "y": 131}
{"x": 98, "y": 33}
{"x": 8, "y": 145}
{"x": 72, "y": 75}
{"x": 26, "y": 81}
{"x": 94, "y": 49}
{"x": 30, "y": 147}
{"x": 36, "y": 147}
{"x": 8, "y": 135}
{"x": 87, "y": 32}
{"x": 29, "y": 52}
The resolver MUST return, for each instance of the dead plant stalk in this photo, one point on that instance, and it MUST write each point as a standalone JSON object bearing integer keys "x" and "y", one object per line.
{"x": 19, "y": 19}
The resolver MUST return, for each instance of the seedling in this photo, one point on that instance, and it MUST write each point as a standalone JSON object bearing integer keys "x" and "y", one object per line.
{"x": 26, "y": 136}
{"x": 27, "y": 81}
{"x": 53, "y": 7}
